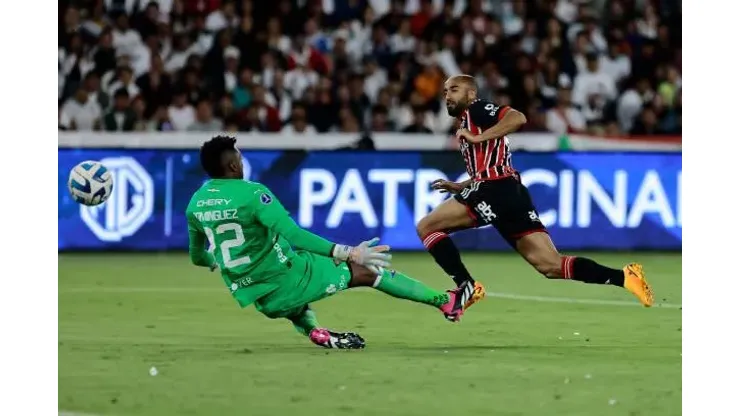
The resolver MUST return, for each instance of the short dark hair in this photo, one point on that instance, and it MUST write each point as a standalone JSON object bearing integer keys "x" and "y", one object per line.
{"x": 299, "y": 105}
{"x": 468, "y": 80}
{"x": 211, "y": 154}
{"x": 121, "y": 93}
{"x": 379, "y": 109}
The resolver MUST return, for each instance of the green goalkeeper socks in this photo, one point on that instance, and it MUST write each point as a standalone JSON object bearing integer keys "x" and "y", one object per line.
{"x": 401, "y": 286}
{"x": 305, "y": 321}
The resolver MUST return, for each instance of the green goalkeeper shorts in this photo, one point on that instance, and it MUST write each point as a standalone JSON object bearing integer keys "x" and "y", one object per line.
{"x": 310, "y": 278}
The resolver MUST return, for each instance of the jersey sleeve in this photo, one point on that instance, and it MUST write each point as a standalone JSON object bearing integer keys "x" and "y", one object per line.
{"x": 197, "y": 245}
{"x": 485, "y": 114}
{"x": 271, "y": 213}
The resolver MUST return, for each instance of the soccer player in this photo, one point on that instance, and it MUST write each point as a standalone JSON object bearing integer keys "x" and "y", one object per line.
{"x": 495, "y": 195}
{"x": 253, "y": 239}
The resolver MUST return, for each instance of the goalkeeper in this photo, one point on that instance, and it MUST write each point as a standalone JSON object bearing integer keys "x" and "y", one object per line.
{"x": 253, "y": 239}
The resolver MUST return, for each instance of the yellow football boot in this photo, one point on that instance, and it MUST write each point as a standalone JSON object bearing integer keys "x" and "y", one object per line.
{"x": 635, "y": 283}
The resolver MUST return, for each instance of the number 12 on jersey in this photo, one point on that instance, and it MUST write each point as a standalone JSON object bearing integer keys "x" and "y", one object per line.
{"x": 228, "y": 243}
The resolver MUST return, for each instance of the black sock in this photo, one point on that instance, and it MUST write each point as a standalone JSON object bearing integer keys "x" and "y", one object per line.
{"x": 588, "y": 271}
{"x": 445, "y": 253}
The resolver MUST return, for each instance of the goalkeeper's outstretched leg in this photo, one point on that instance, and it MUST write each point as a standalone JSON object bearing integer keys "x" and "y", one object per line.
{"x": 391, "y": 282}
{"x": 305, "y": 322}
{"x": 402, "y": 286}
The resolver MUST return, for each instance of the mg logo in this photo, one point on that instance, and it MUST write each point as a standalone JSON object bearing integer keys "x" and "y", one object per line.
{"x": 129, "y": 206}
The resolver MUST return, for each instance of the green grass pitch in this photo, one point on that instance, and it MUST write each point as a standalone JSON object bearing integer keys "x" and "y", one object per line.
{"x": 541, "y": 348}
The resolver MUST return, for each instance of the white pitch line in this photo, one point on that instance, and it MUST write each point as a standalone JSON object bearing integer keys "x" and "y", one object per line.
{"x": 511, "y": 296}
{"x": 514, "y": 296}
{"x": 67, "y": 413}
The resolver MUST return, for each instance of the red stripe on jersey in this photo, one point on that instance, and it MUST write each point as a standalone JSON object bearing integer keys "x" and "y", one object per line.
{"x": 480, "y": 157}
{"x": 489, "y": 160}
{"x": 478, "y": 154}
{"x": 489, "y": 153}
{"x": 501, "y": 151}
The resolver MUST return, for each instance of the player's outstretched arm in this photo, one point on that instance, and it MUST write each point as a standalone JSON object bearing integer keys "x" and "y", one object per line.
{"x": 506, "y": 120}
{"x": 199, "y": 254}
{"x": 271, "y": 213}
{"x": 443, "y": 185}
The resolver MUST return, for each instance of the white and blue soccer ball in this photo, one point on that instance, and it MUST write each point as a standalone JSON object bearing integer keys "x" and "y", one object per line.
{"x": 90, "y": 183}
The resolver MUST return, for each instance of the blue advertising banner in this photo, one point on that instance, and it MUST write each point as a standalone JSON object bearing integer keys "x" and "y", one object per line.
{"x": 619, "y": 201}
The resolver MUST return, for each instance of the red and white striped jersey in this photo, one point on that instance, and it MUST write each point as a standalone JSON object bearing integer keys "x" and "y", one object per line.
{"x": 490, "y": 159}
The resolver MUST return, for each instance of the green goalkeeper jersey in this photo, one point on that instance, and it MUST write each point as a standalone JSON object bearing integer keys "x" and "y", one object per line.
{"x": 250, "y": 233}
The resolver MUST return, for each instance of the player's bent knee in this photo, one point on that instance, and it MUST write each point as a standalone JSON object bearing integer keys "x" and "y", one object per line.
{"x": 425, "y": 227}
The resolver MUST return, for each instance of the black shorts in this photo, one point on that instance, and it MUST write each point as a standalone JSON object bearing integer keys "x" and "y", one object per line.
{"x": 504, "y": 203}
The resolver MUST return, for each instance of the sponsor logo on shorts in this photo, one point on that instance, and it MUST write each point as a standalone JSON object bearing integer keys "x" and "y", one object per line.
{"x": 473, "y": 187}
{"x": 533, "y": 216}
{"x": 485, "y": 211}
{"x": 243, "y": 282}
{"x": 331, "y": 289}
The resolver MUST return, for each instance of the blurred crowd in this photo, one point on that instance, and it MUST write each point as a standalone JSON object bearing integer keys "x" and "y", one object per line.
{"x": 609, "y": 67}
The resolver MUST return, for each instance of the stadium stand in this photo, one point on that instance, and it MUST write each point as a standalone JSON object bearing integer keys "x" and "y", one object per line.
{"x": 572, "y": 66}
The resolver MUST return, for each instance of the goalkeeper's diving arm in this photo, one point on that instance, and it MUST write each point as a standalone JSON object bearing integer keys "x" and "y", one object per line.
{"x": 275, "y": 217}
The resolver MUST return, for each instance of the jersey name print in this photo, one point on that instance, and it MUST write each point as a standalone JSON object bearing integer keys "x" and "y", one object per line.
{"x": 232, "y": 215}
{"x": 490, "y": 159}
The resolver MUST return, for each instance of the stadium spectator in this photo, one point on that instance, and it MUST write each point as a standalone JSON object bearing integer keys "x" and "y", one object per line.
{"x": 419, "y": 122}
{"x": 242, "y": 94}
{"x": 160, "y": 121}
{"x": 138, "y": 106}
{"x": 182, "y": 49}
{"x": 204, "y": 120}
{"x": 222, "y": 18}
{"x": 403, "y": 41}
{"x": 121, "y": 117}
{"x": 80, "y": 112}
{"x": 647, "y": 123}
{"x": 375, "y": 79}
{"x": 380, "y": 121}
{"x": 298, "y": 79}
{"x": 631, "y": 102}
{"x": 125, "y": 80}
{"x": 94, "y": 91}
{"x": 298, "y": 122}
{"x": 616, "y": 64}
{"x": 267, "y": 117}
{"x": 227, "y": 82}
{"x": 564, "y": 117}
{"x": 181, "y": 114}
{"x": 279, "y": 97}
{"x": 593, "y": 90}
{"x": 74, "y": 63}
{"x": 155, "y": 87}
{"x": 69, "y": 25}
{"x": 370, "y": 65}
{"x": 126, "y": 40}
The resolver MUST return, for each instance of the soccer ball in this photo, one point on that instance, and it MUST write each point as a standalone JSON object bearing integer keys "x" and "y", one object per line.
{"x": 90, "y": 183}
